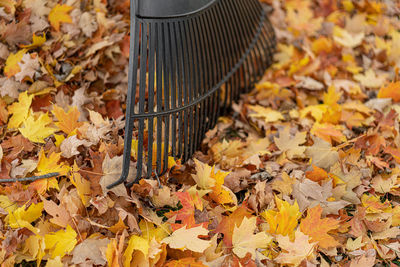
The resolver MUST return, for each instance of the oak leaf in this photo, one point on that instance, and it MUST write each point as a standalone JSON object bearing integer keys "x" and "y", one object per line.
{"x": 317, "y": 229}
{"x": 245, "y": 241}
{"x": 291, "y": 146}
{"x": 60, "y": 14}
{"x": 294, "y": 252}
{"x": 61, "y": 242}
{"x": 188, "y": 239}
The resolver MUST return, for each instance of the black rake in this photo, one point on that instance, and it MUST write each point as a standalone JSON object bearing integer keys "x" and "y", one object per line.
{"x": 189, "y": 60}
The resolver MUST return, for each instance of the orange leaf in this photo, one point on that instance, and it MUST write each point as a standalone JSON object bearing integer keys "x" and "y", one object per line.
{"x": 391, "y": 91}
{"x": 186, "y": 213}
{"x": 318, "y": 228}
{"x": 67, "y": 121}
{"x": 60, "y": 14}
{"x": 317, "y": 174}
{"x": 185, "y": 262}
{"x": 228, "y": 223}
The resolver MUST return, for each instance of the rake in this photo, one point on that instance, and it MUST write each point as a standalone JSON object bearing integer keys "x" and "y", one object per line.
{"x": 189, "y": 60}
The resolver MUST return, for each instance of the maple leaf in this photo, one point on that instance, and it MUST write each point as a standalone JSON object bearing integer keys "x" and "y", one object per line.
{"x": 294, "y": 252}
{"x": 184, "y": 238}
{"x": 112, "y": 169}
{"x": 317, "y": 174}
{"x": 328, "y": 132}
{"x": 344, "y": 38}
{"x": 37, "y": 41}
{"x": 370, "y": 79}
{"x": 59, "y": 14}
{"x": 291, "y": 145}
{"x": 12, "y": 61}
{"x": 135, "y": 243}
{"x": 67, "y": 121}
{"x": 48, "y": 165}
{"x": 185, "y": 262}
{"x": 186, "y": 213}
{"x": 268, "y": 114}
{"x": 22, "y": 217}
{"x": 81, "y": 184}
{"x": 35, "y": 246}
{"x": 61, "y": 242}
{"x": 91, "y": 249}
{"x": 28, "y": 65}
{"x": 285, "y": 185}
{"x": 228, "y": 223}
{"x": 245, "y": 241}
{"x": 391, "y": 91}
{"x": 37, "y": 129}
{"x": 317, "y": 229}
{"x": 322, "y": 153}
{"x": 283, "y": 221}
{"x": 211, "y": 182}
{"x": 19, "y": 110}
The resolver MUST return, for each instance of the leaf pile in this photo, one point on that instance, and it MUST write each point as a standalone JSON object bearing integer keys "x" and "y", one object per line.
{"x": 306, "y": 171}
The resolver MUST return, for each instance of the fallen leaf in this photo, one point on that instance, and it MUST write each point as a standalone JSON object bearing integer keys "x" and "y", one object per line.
{"x": 294, "y": 252}
{"x": 318, "y": 228}
{"x": 61, "y": 242}
{"x": 291, "y": 146}
{"x": 245, "y": 241}
{"x": 188, "y": 239}
{"x": 59, "y": 14}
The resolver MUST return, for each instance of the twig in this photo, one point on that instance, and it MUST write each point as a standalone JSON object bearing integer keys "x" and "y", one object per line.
{"x": 31, "y": 179}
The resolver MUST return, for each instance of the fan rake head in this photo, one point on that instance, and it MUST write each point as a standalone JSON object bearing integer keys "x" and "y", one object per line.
{"x": 189, "y": 60}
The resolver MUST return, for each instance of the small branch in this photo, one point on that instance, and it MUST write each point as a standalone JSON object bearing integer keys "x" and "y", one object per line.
{"x": 31, "y": 179}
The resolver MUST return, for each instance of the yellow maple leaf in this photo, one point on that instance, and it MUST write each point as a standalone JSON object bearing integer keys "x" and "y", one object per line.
{"x": 135, "y": 243}
{"x": 294, "y": 252}
{"x": 318, "y": 228}
{"x": 209, "y": 179}
{"x": 61, "y": 242}
{"x": 112, "y": 254}
{"x": 37, "y": 41}
{"x": 47, "y": 165}
{"x": 36, "y": 129}
{"x": 82, "y": 185}
{"x": 291, "y": 146}
{"x": 346, "y": 39}
{"x": 23, "y": 217}
{"x": 19, "y": 110}
{"x": 12, "y": 61}
{"x": 283, "y": 221}
{"x": 391, "y": 91}
{"x": 67, "y": 121}
{"x": 34, "y": 245}
{"x": 188, "y": 239}
{"x": 268, "y": 114}
{"x": 60, "y": 14}
{"x": 285, "y": 186}
{"x": 245, "y": 241}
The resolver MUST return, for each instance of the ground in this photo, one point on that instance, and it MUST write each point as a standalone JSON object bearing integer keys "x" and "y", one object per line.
{"x": 304, "y": 170}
